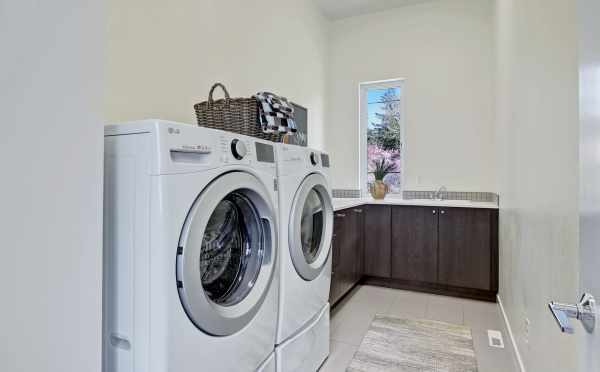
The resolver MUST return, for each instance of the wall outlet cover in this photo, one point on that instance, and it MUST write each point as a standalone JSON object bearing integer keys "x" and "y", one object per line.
{"x": 495, "y": 338}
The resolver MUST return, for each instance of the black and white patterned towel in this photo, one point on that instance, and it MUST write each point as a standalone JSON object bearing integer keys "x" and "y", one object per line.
{"x": 275, "y": 113}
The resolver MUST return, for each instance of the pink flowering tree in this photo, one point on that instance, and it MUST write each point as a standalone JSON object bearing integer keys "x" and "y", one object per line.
{"x": 384, "y": 134}
{"x": 374, "y": 153}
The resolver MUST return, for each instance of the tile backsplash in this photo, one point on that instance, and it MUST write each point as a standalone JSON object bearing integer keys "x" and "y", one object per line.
{"x": 345, "y": 193}
{"x": 488, "y": 197}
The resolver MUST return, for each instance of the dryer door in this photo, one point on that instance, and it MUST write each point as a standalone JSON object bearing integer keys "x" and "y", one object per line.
{"x": 227, "y": 254}
{"x": 311, "y": 227}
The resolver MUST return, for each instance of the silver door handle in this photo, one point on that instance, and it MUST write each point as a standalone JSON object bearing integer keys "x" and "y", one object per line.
{"x": 340, "y": 215}
{"x": 585, "y": 311}
{"x": 358, "y": 211}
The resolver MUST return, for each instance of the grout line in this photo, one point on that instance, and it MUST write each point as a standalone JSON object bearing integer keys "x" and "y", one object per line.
{"x": 512, "y": 337}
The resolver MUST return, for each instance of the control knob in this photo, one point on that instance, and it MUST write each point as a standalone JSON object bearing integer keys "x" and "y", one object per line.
{"x": 313, "y": 158}
{"x": 238, "y": 149}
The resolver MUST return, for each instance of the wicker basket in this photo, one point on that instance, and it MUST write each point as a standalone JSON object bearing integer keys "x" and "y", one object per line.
{"x": 239, "y": 115}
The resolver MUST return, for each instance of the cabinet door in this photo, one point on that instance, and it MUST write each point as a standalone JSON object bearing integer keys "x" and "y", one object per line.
{"x": 334, "y": 289}
{"x": 377, "y": 238}
{"x": 347, "y": 249}
{"x": 415, "y": 243}
{"x": 465, "y": 247}
{"x": 358, "y": 243}
{"x": 339, "y": 270}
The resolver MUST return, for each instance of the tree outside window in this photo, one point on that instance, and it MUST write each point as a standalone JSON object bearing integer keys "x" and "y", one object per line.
{"x": 384, "y": 133}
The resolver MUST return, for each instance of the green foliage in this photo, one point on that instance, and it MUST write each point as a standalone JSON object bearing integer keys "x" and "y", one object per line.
{"x": 382, "y": 167}
{"x": 387, "y": 134}
{"x": 387, "y": 138}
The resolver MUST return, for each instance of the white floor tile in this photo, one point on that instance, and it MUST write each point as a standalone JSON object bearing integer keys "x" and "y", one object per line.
{"x": 351, "y": 319}
{"x": 482, "y": 315}
{"x": 445, "y": 309}
{"x": 408, "y": 305}
{"x": 340, "y": 356}
{"x": 374, "y": 295}
{"x": 491, "y": 359}
{"x": 350, "y": 324}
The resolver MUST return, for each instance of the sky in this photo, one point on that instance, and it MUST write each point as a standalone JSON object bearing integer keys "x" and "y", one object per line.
{"x": 373, "y": 99}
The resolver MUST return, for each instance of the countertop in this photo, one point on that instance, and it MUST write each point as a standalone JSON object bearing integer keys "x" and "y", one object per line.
{"x": 343, "y": 203}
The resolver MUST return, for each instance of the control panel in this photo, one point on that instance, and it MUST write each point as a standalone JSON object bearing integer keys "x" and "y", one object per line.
{"x": 194, "y": 149}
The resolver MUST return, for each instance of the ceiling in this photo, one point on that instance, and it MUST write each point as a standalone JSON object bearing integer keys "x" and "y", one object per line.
{"x": 337, "y": 9}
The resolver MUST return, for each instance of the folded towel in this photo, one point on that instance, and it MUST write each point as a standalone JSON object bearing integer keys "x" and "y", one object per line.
{"x": 275, "y": 113}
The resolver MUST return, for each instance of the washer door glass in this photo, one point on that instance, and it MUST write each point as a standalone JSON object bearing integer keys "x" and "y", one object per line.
{"x": 311, "y": 226}
{"x": 232, "y": 250}
{"x": 227, "y": 253}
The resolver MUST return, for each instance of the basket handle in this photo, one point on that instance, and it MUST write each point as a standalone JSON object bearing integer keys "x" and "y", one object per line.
{"x": 210, "y": 94}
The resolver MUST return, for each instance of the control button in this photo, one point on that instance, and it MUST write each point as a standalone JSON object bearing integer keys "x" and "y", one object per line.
{"x": 313, "y": 158}
{"x": 238, "y": 149}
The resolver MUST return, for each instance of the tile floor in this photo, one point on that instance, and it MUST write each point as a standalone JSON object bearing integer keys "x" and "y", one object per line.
{"x": 351, "y": 318}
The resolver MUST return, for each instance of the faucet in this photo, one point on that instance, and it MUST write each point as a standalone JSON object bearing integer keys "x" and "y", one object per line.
{"x": 439, "y": 195}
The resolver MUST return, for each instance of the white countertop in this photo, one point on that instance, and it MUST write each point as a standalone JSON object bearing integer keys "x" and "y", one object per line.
{"x": 343, "y": 203}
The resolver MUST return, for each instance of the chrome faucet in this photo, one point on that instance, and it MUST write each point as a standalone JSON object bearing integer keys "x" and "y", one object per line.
{"x": 439, "y": 195}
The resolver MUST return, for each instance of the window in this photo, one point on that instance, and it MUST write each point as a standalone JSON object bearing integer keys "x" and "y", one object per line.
{"x": 381, "y": 131}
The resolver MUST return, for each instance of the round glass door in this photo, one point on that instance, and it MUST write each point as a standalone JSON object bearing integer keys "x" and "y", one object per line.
{"x": 226, "y": 254}
{"x": 232, "y": 250}
{"x": 311, "y": 227}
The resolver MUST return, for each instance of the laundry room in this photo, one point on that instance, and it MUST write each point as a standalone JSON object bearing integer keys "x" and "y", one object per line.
{"x": 299, "y": 186}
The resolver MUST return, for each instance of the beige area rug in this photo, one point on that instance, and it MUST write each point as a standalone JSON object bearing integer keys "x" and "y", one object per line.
{"x": 402, "y": 345}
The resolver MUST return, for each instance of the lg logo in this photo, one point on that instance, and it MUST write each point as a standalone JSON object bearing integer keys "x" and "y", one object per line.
{"x": 173, "y": 130}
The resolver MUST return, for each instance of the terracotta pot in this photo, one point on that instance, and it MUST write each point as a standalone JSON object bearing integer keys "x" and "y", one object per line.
{"x": 378, "y": 189}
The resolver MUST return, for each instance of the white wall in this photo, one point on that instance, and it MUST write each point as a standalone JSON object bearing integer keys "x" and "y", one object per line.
{"x": 165, "y": 56}
{"x": 538, "y": 170}
{"x": 51, "y": 185}
{"x": 444, "y": 49}
{"x": 589, "y": 137}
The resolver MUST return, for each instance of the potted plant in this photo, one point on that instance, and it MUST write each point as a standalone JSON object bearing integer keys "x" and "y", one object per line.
{"x": 381, "y": 168}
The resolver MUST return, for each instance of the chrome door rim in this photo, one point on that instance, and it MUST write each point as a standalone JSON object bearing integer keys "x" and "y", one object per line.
{"x": 207, "y": 315}
{"x": 309, "y": 271}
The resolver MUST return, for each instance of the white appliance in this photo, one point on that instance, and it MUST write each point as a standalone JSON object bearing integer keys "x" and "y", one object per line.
{"x": 190, "y": 250}
{"x": 306, "y": 220}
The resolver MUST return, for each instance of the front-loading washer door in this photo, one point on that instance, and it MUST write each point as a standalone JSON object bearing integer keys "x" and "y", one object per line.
{"x": 311, "y": 227}
{"x": 227, "y": 253}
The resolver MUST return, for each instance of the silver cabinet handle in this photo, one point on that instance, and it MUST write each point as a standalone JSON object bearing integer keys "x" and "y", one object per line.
{"x": 434, "y": 211}
{"x": 340, "y": 215}
{"x": 358, "y": 211}
{"x": 585, "y": 311}
{"x": 443, "y": 212}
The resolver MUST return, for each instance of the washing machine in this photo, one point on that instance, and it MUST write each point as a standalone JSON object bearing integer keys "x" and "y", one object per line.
{"x": 306, "y": 220}
{"x": 190, "y": 250}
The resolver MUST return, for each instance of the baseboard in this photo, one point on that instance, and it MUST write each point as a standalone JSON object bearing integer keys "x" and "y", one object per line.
{"x": 412, "y": 285}
{"x": 511, "y": 335}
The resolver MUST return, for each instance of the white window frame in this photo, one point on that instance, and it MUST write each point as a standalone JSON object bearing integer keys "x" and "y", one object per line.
{"x": 363, "y": 120}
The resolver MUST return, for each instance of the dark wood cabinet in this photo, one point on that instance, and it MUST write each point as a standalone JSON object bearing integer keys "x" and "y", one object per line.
{"x": 415, "y": 243}
{"x": 347, "y": 252}
{"x": 358, "y": 243}
{"x": 377, "y": 237}
{"x": 338, "y": 233}
{"x": 465, "y": 254}
{"x": 452, "y": 251}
